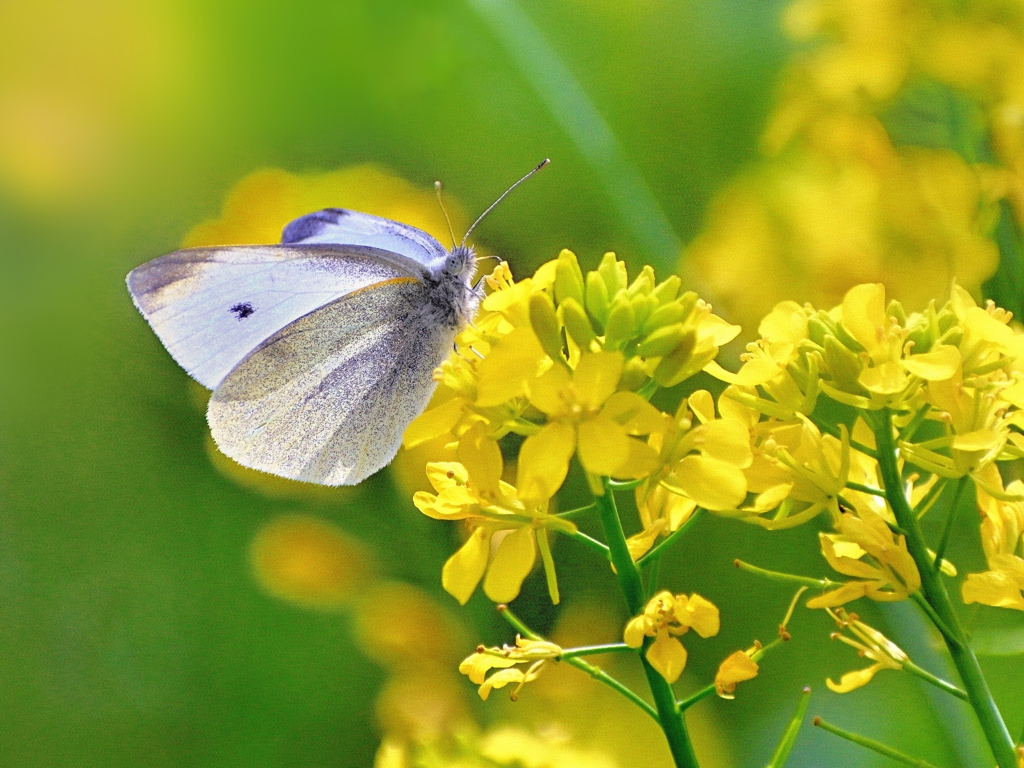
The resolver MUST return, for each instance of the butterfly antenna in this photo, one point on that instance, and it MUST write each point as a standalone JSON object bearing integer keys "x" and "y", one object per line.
{"x": 437, "y": 188}
{"x": 491, "y": 208}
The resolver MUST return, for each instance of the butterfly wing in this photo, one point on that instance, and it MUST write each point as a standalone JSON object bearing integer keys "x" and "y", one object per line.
{"x": 340, "y": 226}
{"x": 212, "y": 306}
{"x": 327, "y": 398}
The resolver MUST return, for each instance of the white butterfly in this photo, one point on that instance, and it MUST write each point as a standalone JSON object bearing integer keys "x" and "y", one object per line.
{"x": 320, "y": 350}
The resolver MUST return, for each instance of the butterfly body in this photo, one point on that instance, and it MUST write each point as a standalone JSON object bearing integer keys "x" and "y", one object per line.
{"x": 319, "y": 350}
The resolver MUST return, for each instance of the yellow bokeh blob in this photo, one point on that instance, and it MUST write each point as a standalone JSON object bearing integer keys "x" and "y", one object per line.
{"x": 308, "y": 561}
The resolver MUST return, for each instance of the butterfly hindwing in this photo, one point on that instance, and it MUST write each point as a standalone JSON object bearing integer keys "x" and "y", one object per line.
{"x": 341, "y": 226}
{"x": 327, "y": 398}
{"x": 212, "y": 306}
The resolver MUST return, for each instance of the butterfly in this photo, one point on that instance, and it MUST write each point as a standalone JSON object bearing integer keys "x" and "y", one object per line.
{"x": 321, "y": 349}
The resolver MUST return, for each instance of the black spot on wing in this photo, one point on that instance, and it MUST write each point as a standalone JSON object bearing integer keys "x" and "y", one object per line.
{"x": 310, "y": 225}
{"x": 242, "y": 310}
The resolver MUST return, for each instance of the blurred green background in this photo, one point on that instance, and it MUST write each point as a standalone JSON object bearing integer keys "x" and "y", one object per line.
{"x": 132, "y": 632}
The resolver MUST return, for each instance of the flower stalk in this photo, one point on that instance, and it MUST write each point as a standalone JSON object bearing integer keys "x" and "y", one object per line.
{"x": 669, "y": 715}
{"x": 935, "y": 594}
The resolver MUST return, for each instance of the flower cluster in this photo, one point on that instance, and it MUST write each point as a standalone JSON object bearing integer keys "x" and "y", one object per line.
{"x": 535, "y": 653}
{"x": 566, "y": 362}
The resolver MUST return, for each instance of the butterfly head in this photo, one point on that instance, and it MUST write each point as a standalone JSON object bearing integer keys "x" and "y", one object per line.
{"x": 461, "y": 262}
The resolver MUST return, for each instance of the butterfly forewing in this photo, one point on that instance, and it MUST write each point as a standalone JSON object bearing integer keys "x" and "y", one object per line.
{"x": 212, "y": 306}
{"x": 326, "y": 398}
{"x": 340, "y": 226}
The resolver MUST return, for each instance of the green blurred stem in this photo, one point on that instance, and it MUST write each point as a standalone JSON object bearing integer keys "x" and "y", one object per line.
{"x": 934, "y": 593}
{"x": 655, "y": 554}
{"x": 592, "y": 650}
{"x": 672, "y": 723}
{"x": 590, "y": 542}
{"x": 938, "y": 682}
{"x": 594, "y": 671}
{"x": 789, "y": 736}
{"x": 871, "y": 744}
{"x": 865, "y": 489}
{"x": 787, "y": 578}
{"x": 559, "y": 89}
{"x": 577, "y": 511}
{"x": 950, "y": 517}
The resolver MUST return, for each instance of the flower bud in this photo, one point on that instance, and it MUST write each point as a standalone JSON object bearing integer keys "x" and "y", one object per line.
{"x": 568, "y": 278}
{"x": 621, "y": 324}
{"x": 668, "y": 290}
{"x": 662, "y": 341}
{"x": 643, "y": 284}
{"x": 597, "y": 298}
{"x": 576, "y": 322}
{"x": 673, "y": 367}
{"x": 843, "y": 365}
{"x": 545, "y": 325}
{"x": 613, "y": 273}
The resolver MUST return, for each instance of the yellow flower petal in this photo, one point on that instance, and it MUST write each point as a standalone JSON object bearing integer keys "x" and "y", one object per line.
{"x": 702, "y": 405}
{"x": 549, "y": 393}
{"x": 477, "y": 665}
{"x": 852, "y": 590}
{"x": 635, "y": 414}
{"x": 885, "y": 379}
{"x": 603, "y": 445}
{"x": 511, "y": 564}
{"x": 714, "y": 484}
{"x": 510, "y": 364}
{"x": 853, "y": 680}
{"x": 640, "y": 543}
{"x": 633, "y": 636}
{"x": 735, "y": 669}
{"x": 479, "y": 453}
{"x": 728, "y": 440}
{"x": 864, "y": 314}
{"x": 433, "y": 423}
{"x": 699, "y": 614}
{"x": 996, "y": 588}
{"x": 500, "y": 679}
{"x": 596, "y": 377}
{"x": 465, "y": 568}
{"x": 668, "y": 656}
{"x": 939, "y": 364}
{"x": 544, "y": 462}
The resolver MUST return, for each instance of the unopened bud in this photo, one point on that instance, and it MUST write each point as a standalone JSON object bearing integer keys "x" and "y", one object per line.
{"x": 568, "y": 278}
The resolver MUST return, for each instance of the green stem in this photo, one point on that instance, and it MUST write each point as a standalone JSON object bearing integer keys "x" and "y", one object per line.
{"x": 786, "y": 578}
{"x": 865, "y": 489}
{"x": 934, "y": 593}
{"x": 925, "y": 606}
{"x": 950, "y": 517}
{"x": 671, "y": 539}
{"x": 591, "y": 650}
{"x": 789, "y": 737}
{"x": 671, "y": 718}
{"x": 594, "y": 671}
{"x": 927, "y": 500}
{"x": 693, "y": 698}
{"x": 871, "y": 744}
{"x": 589, "y": 541}
{"x": 578, "y": 511}
{"x": 938, "y": 682}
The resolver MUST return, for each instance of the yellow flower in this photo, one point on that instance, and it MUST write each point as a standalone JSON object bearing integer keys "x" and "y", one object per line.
{"x": 736, "y": 668}
{"x": 871, "y": 644}
{"x": 308, "y": 561}
{"x": 891, "y": 573}
{"x": 505, "y": 531}
{"x": 586, "y": 416}
{"x": 525, "y": 651}
{"x": 664, "y": 618}
{"x": 1002, "y": 533}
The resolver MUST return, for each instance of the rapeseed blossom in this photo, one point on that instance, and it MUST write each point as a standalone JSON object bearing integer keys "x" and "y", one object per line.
{"x": 666, "y": 617}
